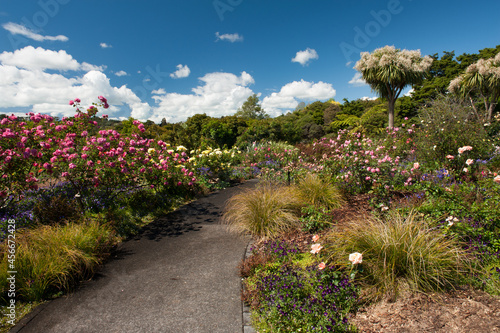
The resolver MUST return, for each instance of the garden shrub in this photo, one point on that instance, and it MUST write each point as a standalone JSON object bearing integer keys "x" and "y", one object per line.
{"x": 447, "y": 125}
{"x": 314, "y": 220}
{"x": 294, "y": 299}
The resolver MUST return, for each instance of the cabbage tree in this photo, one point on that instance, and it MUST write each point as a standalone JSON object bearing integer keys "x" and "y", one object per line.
{"x": 480, "y": 79}
{"x": 389, "y": 70}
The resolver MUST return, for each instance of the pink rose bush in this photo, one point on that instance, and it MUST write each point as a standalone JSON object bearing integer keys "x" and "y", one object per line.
{"x": 40, "y": 148}
{"x": 361, "y": 164}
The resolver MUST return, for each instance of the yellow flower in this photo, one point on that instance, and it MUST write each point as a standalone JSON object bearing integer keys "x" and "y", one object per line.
{"x": 182, "y": 148}
{"x": 151, "y": 150}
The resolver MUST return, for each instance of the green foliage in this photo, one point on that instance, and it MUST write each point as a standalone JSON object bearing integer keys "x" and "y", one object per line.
{"x": 266, "y": 211}
{"x": 446, "y": 125}
{"x": 224, "y": 131}
{"x": 474, "y": 205}
{"x": 314, "y": 220}
{"x": 294, "y": 299}
{"x": 399, "y": 252}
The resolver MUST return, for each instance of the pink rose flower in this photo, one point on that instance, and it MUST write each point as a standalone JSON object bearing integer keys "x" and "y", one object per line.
{"x": 315, "y": 248}
{"x": 321, "y": 266}
{"x": 356, "y": 258}
{"x": 315, "y": 238}
{"x": 497, "y": 179}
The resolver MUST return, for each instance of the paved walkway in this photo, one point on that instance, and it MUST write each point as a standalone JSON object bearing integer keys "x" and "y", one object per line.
{"x": 178, "y": 276}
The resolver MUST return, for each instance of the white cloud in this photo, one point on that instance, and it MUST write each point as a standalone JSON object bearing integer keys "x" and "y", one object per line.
{"x": 28, "y": 85}
{"x": 182, "y": 71}
{"x": 303, "y": 57}
{"x": 121, "y": 73}
{"x": 357, "y": 80}
{"x": 160, "y": 91}
{"x": 19, "y": 29}
{"x": 287, "y": 98}
{"x": 42, "y": 59}
{"x": 229, "y": 37}
{"x": 105, "y": 46}
{"x": 220, "y": 94}
{"x": 366, "y": 98}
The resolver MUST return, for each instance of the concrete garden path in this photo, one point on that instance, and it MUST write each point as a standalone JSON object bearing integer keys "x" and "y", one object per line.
{"x": 179, "y": 275}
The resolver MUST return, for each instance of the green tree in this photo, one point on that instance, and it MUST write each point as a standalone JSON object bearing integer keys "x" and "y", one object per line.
{"x": 193, "y": 130}
{"x": 481, "y": 79}
{"x": 389, "y": 70}
{"x": 251, "y": 109}
{"x": 224, "y": 131}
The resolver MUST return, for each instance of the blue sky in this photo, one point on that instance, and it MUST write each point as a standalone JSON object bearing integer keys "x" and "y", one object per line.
{"x": 157, "y": 59}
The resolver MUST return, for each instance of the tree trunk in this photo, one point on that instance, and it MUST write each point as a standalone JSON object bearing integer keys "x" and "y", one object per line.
{"x": 490, "y": 111}
{"x": 392, "y": 102}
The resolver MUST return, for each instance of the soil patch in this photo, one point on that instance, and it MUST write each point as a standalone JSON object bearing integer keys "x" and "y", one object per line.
{"x": 460, "y": 311}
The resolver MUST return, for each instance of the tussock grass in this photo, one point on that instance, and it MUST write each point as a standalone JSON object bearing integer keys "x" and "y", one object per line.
{"x": 50, "y": 259}
{"x": 265, "y": 212}
{"x": 313, "y": 190}
{"x": 399, "y": 253}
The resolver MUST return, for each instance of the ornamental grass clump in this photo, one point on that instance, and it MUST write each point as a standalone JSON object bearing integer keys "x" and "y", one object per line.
{"x": 400, "y": 252}
{"x": 50, "y": 259}
{"x": 313, "y": 190}
{"x": 266, "y": 211}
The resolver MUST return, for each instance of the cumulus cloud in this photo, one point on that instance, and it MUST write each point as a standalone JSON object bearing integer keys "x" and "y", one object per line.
{"x": 287, "y": 98}
{"x": 105, "y": 46}
{"x": 19, "y": 29}
{"x": 303, "y": 57}
{"x": 24, "y": 83}
{"x": 219, "y": 94}
{"x": 182, "y": 71}
{"x": 366, "y": 98}
{"x": 160, "y": 91}
{"x": 121, "y": 73}
{"x": 41, "y": 59}
{"x": 229, "y": 37}
{"x": 357, "y": 80}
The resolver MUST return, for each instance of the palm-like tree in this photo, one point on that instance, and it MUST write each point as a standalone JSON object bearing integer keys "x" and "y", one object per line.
{"x": 480, "y": 79}
{"x": 389, "y": 70}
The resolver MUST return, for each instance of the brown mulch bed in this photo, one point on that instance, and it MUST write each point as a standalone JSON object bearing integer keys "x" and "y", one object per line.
{"x": 461, "y": 311}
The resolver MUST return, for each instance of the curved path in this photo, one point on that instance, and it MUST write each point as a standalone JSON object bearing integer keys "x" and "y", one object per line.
{"x": 179, "y": 275}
